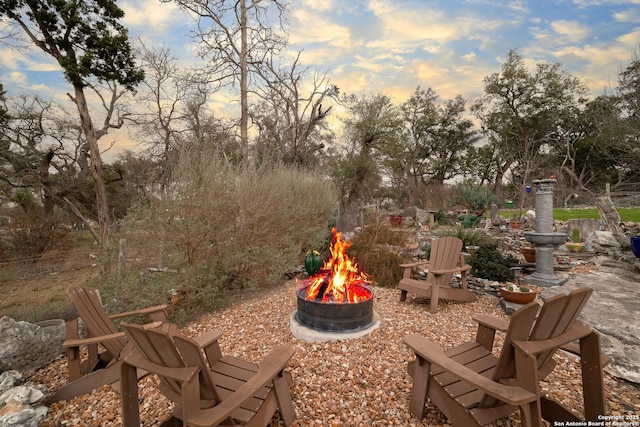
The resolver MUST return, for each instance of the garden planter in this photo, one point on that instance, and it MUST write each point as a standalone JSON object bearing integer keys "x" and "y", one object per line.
{"x": 517, "y": 297}
{"x": 529, "y": 253}
{"x": 634, "y": 242}
{"x": 575, "y": 247}
{"x": 395, "y": 219}
{"x": 515, "y": 224}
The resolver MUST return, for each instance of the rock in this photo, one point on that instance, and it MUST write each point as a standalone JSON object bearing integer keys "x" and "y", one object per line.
{"x": 27, "y": 346}
{"x": 508, "y": 306}
{"x": 23, "y": 395}
{"x": 20, "y": 406}
{"x": 496, "y": 219}
{"x": 603, "y": 242}
{"x": 25, "y": 418}
{"x": 611, "y": 219}
{"x": 611, "y": 311}
{"x": 531, "y": 216}
{"x": 419, "y": 215}
{"x": 9, "y": 379}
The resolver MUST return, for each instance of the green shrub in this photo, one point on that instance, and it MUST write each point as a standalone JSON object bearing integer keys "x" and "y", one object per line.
{"x": 200, "y": 291}
{"x": 475, "y": 198}
{"x": 469, "y": 236}
{"x": 489, "y": 263}
{"x": 441, "y": 218}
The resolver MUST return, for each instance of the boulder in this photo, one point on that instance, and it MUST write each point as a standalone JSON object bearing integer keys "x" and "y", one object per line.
{"x": 29, "y": 346}
{"x": 420, "y": 215}
{"x": 604, "y": 242}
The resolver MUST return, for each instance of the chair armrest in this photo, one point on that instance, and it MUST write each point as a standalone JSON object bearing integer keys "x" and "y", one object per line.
{"x": 414, "y": 264}
{"x": 510, "y": 394}
{"x": 92, "y": 340}
{"x": 452, "y": 270}
{"x": 206, "y": 339}
{"x": 142, "y": 311}
{"x": 574, "y": 348}
{"x": 270, "y": 367}
{"x": 492, "y": 322}
{"x": 577, "y": 331}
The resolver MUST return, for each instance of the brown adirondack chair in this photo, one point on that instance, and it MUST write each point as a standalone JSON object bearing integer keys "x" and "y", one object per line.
{"x": 208, "y": 389}
{"x": 445, "y": 259}
{"x": 106, "y": 346}
{"x": 473, "y": 387}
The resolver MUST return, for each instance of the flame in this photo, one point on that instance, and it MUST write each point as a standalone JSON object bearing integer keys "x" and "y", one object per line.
{"x": 339, "y": 280}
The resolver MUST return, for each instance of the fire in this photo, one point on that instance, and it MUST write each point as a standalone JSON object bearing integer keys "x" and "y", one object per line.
{"x": 339, "y": 280}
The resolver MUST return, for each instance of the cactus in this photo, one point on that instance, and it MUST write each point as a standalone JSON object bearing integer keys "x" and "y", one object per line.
{"x": 575, "y": 236}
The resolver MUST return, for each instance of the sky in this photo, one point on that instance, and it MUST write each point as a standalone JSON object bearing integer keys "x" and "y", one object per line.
{"x": 391, "y": 47}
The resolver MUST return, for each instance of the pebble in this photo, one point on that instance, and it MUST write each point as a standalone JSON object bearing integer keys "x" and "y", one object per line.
{"x": 343, "y": 383}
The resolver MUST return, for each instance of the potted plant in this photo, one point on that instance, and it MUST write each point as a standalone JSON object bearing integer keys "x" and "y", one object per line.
{"x": 516, "y": 221}
{"x": 576, "y": 245}
{"x": 519, "y": 294}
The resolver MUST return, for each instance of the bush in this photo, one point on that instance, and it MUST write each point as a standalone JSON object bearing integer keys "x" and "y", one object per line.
{"x": 382, "y": 264}
{"x": 475, "y": 198}
{"x": 469, "y": 236}
{"x": 489, "y": 263}
{"x": 235, "y": 227}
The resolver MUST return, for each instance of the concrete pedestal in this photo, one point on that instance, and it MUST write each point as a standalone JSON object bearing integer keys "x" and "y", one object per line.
{"x": 544, "y": 239}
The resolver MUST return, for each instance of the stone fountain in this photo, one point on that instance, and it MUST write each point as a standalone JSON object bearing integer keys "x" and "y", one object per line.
{"x": 544, "y": 238}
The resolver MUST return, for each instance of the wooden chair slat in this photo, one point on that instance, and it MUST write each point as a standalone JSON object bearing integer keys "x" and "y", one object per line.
{"x": 445, "y": 260}
{"x": 85, "y": 375}
{"x": 228, "y": 390}
{"x": 471, "y": 386}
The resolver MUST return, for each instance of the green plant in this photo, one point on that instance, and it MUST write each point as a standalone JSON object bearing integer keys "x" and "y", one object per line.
{"x": 575, "y": 235}
{"x": 201, "y": 291}
{"x": 489, "y": 263}
{"x": 440, "y": 217}
{"x": 515, "y": 288}
{"x": 469, "y": 236}
{"x": 476, "y": 198}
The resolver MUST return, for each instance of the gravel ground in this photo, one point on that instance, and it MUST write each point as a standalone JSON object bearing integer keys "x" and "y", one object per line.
{"x": 345, "y": 383}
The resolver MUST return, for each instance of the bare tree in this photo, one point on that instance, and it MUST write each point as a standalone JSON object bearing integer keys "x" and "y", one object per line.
{"x": 290, "y": 117}
{"x": 88, "y": 42}
{"x": 236, "y": 36}
{"x": 168, "y": 94}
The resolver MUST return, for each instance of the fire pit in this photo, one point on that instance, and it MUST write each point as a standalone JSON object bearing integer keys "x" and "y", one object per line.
{"x": 335, "y": 316}
{"x": 336, "y": 299}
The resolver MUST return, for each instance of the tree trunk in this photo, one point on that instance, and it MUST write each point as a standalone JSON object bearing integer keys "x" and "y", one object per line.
{"x": 47, "y": 192}
{"x": 102, "y": 204}
{"x": 244, "y": 90}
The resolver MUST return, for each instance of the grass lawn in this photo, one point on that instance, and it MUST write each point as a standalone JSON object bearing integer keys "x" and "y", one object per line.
{"x": 626, "y": 214}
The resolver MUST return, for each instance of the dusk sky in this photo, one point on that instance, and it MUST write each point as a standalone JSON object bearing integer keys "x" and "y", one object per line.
{"x": 392, "y": 46}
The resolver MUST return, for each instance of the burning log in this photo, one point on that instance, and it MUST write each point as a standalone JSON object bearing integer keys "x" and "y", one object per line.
{"x": 340, "y": 279}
